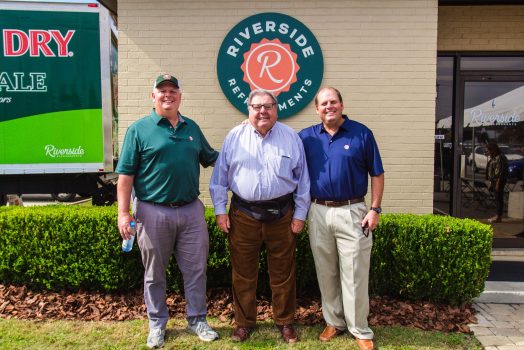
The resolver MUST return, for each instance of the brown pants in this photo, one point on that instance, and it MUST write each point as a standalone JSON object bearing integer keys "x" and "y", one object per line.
{"x": 245, "y": 239}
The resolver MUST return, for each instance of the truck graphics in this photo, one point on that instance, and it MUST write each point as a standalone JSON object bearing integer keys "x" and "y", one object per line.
{"x": 17, "y": 42}
{"x": 51, "y": 105}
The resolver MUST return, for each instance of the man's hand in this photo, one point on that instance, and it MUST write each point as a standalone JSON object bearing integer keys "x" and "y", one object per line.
{"x": 123, "y": 225}
{"x": 223, "y": 222}
{"x": 371, "y": 219}
{"x": 297, "y": 226}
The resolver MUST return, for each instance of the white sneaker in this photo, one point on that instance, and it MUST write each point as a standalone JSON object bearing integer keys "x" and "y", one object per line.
{"x": 155, "y": 339}
{"x": 204, "y": 332}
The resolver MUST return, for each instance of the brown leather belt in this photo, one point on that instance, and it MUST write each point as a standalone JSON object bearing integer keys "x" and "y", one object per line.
{"x": 337, "y": 203}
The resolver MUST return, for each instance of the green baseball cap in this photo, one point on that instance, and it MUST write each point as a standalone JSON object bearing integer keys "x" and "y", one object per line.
{"x": 166, "y": 77}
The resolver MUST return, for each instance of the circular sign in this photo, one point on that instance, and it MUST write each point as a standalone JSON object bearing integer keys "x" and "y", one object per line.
{"x": 274, "y": 52}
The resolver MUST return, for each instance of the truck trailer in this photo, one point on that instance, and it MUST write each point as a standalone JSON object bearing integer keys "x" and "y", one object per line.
{"x": 58, "y": 120}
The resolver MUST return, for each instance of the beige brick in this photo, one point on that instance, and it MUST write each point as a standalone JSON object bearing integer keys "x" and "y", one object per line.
{"x": 380, "y": 54}
{"x": 482, "y": 28}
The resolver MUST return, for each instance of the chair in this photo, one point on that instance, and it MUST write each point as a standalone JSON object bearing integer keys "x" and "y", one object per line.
{"x": 476, "y": 192}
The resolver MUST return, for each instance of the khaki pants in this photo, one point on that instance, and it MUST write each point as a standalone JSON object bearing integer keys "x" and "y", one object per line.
{"x": 342, "y": 256}
{"x": 245, "y": 239}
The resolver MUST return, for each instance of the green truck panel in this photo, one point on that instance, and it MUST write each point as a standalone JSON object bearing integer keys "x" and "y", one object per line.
{"x": 54, "y": 106}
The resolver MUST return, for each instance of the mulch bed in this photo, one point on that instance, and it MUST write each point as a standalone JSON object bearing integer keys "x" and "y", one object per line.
{"x": 22, "y": 303}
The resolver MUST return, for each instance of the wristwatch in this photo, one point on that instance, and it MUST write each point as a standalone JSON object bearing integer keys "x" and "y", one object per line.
{"x": 377, "y": 210}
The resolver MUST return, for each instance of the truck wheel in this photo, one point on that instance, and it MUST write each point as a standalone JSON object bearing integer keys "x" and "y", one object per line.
{"x": 63, "y": 197}
{"x": 104, "y": 196}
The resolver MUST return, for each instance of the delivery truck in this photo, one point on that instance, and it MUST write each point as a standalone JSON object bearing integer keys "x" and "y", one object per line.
{"x": 58, "y": 121}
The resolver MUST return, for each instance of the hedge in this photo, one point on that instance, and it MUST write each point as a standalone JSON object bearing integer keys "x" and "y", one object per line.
{"x": 428, "y": 257}
{"x": 414, "y": 257}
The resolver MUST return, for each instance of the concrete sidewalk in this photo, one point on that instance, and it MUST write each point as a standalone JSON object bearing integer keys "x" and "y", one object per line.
{"x": 500, "y": 326}
{"x": 500, "y": 309}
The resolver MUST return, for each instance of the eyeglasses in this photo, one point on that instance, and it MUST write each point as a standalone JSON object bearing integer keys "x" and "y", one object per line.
{"x": 267, "y": 106}
{"x": 365, "y": 230}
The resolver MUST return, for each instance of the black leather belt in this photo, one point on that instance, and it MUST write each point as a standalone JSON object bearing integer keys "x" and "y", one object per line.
{"x": 265, "y": 211}
{"x": 337, "y": 203}
{"x": 170, "y": 205}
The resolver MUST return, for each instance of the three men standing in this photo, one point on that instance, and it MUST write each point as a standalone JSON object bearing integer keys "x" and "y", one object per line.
{"x": 340, "y": 154}
{"x": 161, "y": 159}
{"x": 262, "y": 162}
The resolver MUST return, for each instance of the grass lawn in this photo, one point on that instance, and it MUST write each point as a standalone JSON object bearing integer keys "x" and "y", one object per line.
{"x": 18, "y": 334}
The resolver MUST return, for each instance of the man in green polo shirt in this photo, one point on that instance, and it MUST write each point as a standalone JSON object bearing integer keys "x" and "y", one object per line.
{"x": 160, "y": 160}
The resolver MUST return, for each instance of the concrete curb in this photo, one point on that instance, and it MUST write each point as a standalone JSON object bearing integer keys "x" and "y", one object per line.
{"x": 502, "y": 293}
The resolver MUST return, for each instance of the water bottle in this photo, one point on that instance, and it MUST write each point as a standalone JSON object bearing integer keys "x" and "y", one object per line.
{"x": 127, "y": 244}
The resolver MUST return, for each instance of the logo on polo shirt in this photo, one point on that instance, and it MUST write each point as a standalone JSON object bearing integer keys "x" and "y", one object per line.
{"x": 274, "y": 52}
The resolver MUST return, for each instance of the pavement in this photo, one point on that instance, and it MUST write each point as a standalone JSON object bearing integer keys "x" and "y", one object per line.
{"x": 500, "y": 308}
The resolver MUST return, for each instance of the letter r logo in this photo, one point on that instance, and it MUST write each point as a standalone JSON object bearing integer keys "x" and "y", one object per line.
{"x": 270, "y": 65}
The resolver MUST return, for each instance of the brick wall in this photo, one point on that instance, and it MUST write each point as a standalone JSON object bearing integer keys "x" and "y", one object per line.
{"x": 379, "y": 53}
{"x": 481, "y": 28}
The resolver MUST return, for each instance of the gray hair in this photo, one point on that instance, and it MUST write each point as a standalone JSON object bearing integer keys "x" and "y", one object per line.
{"x": 261, "y": 92}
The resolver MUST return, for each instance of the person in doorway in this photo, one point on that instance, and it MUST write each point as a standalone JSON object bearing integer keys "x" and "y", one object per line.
{"x": 160, "y": 160}
{"x": 340, "y": 154}
{"x": 497, "y": 175}
{"x": 262, "y": 162}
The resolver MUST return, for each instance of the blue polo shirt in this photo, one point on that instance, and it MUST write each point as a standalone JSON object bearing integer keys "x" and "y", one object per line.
{"x": 165, "y": 160}
{"x": 339, "y": 165}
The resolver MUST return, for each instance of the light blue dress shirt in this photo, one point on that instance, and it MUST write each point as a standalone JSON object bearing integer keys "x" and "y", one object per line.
{"x": 261, "y": 168}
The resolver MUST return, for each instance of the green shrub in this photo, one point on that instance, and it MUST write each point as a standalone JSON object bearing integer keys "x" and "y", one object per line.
{"x": 417, "y": 257}
{"x": 65, "y": 247}
{"x": 427, "y": 257}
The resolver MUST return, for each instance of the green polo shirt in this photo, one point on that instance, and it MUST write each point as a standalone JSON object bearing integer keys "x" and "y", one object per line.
{"x": 164, "y": 159}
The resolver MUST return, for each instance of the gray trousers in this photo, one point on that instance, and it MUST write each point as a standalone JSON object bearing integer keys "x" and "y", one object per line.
{"x": 162, "y": 230}
{"x": 342, "y": 259}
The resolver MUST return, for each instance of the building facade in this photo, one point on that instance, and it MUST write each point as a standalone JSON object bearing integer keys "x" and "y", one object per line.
{"x": 396, "y": 63}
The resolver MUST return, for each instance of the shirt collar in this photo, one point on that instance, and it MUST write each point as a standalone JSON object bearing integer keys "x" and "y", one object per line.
{"x": 158, "y": 118}
{"x": 345, "y": 124}
{"x": 259, "y": 134}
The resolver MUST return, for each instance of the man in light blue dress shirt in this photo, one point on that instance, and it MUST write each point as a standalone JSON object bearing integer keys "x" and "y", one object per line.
{"x": 263, "y": 163}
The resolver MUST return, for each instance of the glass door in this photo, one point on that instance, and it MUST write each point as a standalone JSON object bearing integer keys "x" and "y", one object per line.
{"x": 491, "y": 116}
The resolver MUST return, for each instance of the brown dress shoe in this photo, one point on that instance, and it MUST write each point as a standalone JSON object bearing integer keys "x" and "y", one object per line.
{"x": 240, "y": 334}
{"x": 366, "y": 344}
{"x": 289, "y": 335}
{"x": 329, "y": 333}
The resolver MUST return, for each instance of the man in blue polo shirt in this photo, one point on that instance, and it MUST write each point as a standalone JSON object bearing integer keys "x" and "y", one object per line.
{"x": 340, "y": 154}
{"x": 160, "y": 160}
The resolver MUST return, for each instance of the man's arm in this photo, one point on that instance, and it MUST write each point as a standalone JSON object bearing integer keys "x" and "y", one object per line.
{"x": 124, "y": 187}
{"x": 377, "y": 190}
{"x": 218, "y": 187}
{"x": 301, "y": 195}
{"x": 208, "y": 155}
{"x": 218, "y": 192}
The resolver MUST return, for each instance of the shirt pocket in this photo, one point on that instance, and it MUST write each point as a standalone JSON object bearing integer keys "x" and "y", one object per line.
{"x": 283, "y": 165}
